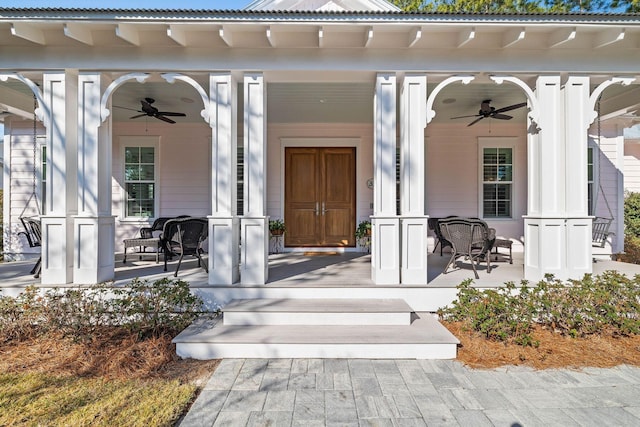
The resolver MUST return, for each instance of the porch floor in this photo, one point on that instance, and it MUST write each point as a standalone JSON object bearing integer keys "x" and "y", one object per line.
{"x": 349, "y": 269}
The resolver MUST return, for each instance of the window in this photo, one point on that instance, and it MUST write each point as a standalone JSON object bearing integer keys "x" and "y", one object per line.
{"x": 497, "y": 182}
{"x": 240, "y": 180}
{"x": 43, "y": 176}
{"x": 139, "y": 181}
{"x": 590, "y": 171}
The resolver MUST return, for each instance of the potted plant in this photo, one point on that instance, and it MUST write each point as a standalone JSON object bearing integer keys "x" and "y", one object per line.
{"x": 363, "y": 230}
{"x": 276, "y": 227}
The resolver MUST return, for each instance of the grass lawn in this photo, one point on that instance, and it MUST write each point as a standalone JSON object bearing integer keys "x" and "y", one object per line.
{"x": 115, "y": 379}
{"x": 42, "y": 399}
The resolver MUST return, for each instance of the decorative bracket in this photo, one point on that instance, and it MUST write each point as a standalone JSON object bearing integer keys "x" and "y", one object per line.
{"x": 39, "y": 112}
{"x": 434, "y": 93}
{"x": 172, "y": 77}
{"x": 104, "y": 111}
{"x": 531, "y": 97}
{"x": 593, "y": 99}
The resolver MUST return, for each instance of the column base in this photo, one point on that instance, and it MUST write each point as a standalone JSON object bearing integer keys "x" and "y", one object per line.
{"x": 56, "y": 250}
{"x": 94, "y": 259}
{"x": 414, "y": 250}
{"x": 385, "y": 246}
{"x": 254, "y": 251}
{"x": 224, "y": 236}
{"x": 558, "y": 246}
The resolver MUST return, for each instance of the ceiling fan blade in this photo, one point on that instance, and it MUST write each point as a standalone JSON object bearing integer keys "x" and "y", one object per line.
{"x": 510, "y": 107}
{"x": 475, "y": 121}
{"x": 127, "y": 108}
{"x": 465, "y": 117}
{"x": 501, "y": 116}
{"x": 169, "y": 113}
{"x": 163, "y": 118}
{"x": 139, "y": 115}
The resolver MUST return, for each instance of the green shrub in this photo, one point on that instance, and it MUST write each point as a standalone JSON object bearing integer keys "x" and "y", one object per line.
{"x": 607, "y": 303}
{"x": 632, "y": 214}
{"x": 148, "y": 309}
{"x": 631, "y": 250}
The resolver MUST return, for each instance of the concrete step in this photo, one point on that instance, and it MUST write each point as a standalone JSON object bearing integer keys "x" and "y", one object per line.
{"x": 424, "y": 338}
{"x": 317, "y": 312}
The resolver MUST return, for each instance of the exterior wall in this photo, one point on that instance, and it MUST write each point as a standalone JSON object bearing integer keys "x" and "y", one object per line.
{"x": 453, "y": 175}
{"x": 611, "y": 171}
{"x": 18, "y": 198}
{"x": 183, "y": 167}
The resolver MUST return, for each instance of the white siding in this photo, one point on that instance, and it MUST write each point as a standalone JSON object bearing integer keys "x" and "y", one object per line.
{"x": 21, "y": 201}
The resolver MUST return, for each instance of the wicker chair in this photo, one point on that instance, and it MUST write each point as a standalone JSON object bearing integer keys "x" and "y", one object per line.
{"x": 470, "y": 238}
{"x": 434, "y": 225}
{"x": 33, "y": 233}
{"x": 184, "y": 236}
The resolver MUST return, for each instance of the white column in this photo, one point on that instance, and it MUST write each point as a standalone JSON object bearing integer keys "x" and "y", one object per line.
{"x": 385, "y": 239}
{"x": 578, "y": 223}
{"x": 254, "y": 222}
{"x": 413, "y": 221}
{"x": 59, "y": 92}
{"x": 224, "y": 232}
{"x": 94, "y": 226}
{"x": 557, "y": 229}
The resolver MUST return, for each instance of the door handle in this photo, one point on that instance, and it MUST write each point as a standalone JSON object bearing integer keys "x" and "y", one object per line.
{"x": 323, "y": 209}
{"x": 317, "y": 209}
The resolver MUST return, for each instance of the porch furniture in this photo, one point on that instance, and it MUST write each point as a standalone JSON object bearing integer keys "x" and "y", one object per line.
{"x": 433, "y": 224}
{"x": 142, "y": 243}
{"x": 149, "y": 237}
{"x": 470, "y": 238}
{"x": 33, "y": 233}
{"x": 600, "y": 231}
{"x": 184, "y": 236}
{"x": 502, "y": 243}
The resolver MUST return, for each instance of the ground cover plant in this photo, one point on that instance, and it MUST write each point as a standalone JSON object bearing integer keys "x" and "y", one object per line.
{"x": 98, "y": 355}
{"x": 590, "y": 322}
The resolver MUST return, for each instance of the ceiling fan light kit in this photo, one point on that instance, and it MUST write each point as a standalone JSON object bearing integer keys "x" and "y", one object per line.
{"x": 487, "y": 111}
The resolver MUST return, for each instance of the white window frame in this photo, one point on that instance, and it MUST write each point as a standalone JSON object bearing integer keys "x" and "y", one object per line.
{"x": 498, "y": 142}
{"x": 140, "y": 141}
{"x": 593, "y": 146}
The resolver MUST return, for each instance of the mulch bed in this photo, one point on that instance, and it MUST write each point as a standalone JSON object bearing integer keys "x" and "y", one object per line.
{"x": 109, "y": 354}
{"x": 554, "y": 351}
{"x": 117, "y": 355}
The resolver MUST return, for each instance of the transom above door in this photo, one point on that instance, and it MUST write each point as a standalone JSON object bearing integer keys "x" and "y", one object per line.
{"x": 320, "y": 196}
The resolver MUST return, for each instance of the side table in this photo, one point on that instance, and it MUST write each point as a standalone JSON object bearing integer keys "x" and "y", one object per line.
{"x": 151, "y": 242}
{"x": 503, "y": 243}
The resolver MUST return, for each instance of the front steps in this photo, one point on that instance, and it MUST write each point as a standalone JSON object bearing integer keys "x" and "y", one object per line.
{"x": 318, "y": 328}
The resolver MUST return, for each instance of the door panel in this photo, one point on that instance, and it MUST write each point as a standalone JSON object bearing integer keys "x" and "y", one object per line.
{"x": 320, "y": 196}
{"x": 301, "y": 196}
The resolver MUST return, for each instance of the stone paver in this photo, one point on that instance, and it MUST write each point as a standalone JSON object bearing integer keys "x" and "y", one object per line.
{"x": 340, "y": 392}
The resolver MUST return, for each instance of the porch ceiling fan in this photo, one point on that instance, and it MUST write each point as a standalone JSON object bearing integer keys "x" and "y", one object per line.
{"x": 487, "y": 111}
{"x": 149, "y": 110}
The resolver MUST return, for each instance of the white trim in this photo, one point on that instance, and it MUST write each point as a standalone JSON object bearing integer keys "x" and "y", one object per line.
{"x": 498, "y": 142}
{"x": 140, "y": 141}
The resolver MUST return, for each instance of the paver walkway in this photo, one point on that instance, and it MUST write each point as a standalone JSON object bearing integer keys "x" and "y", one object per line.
{"x": 356, "y": 392}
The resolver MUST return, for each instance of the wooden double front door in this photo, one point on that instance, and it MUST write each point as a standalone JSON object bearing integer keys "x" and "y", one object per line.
{"x": 320, "y": 196}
